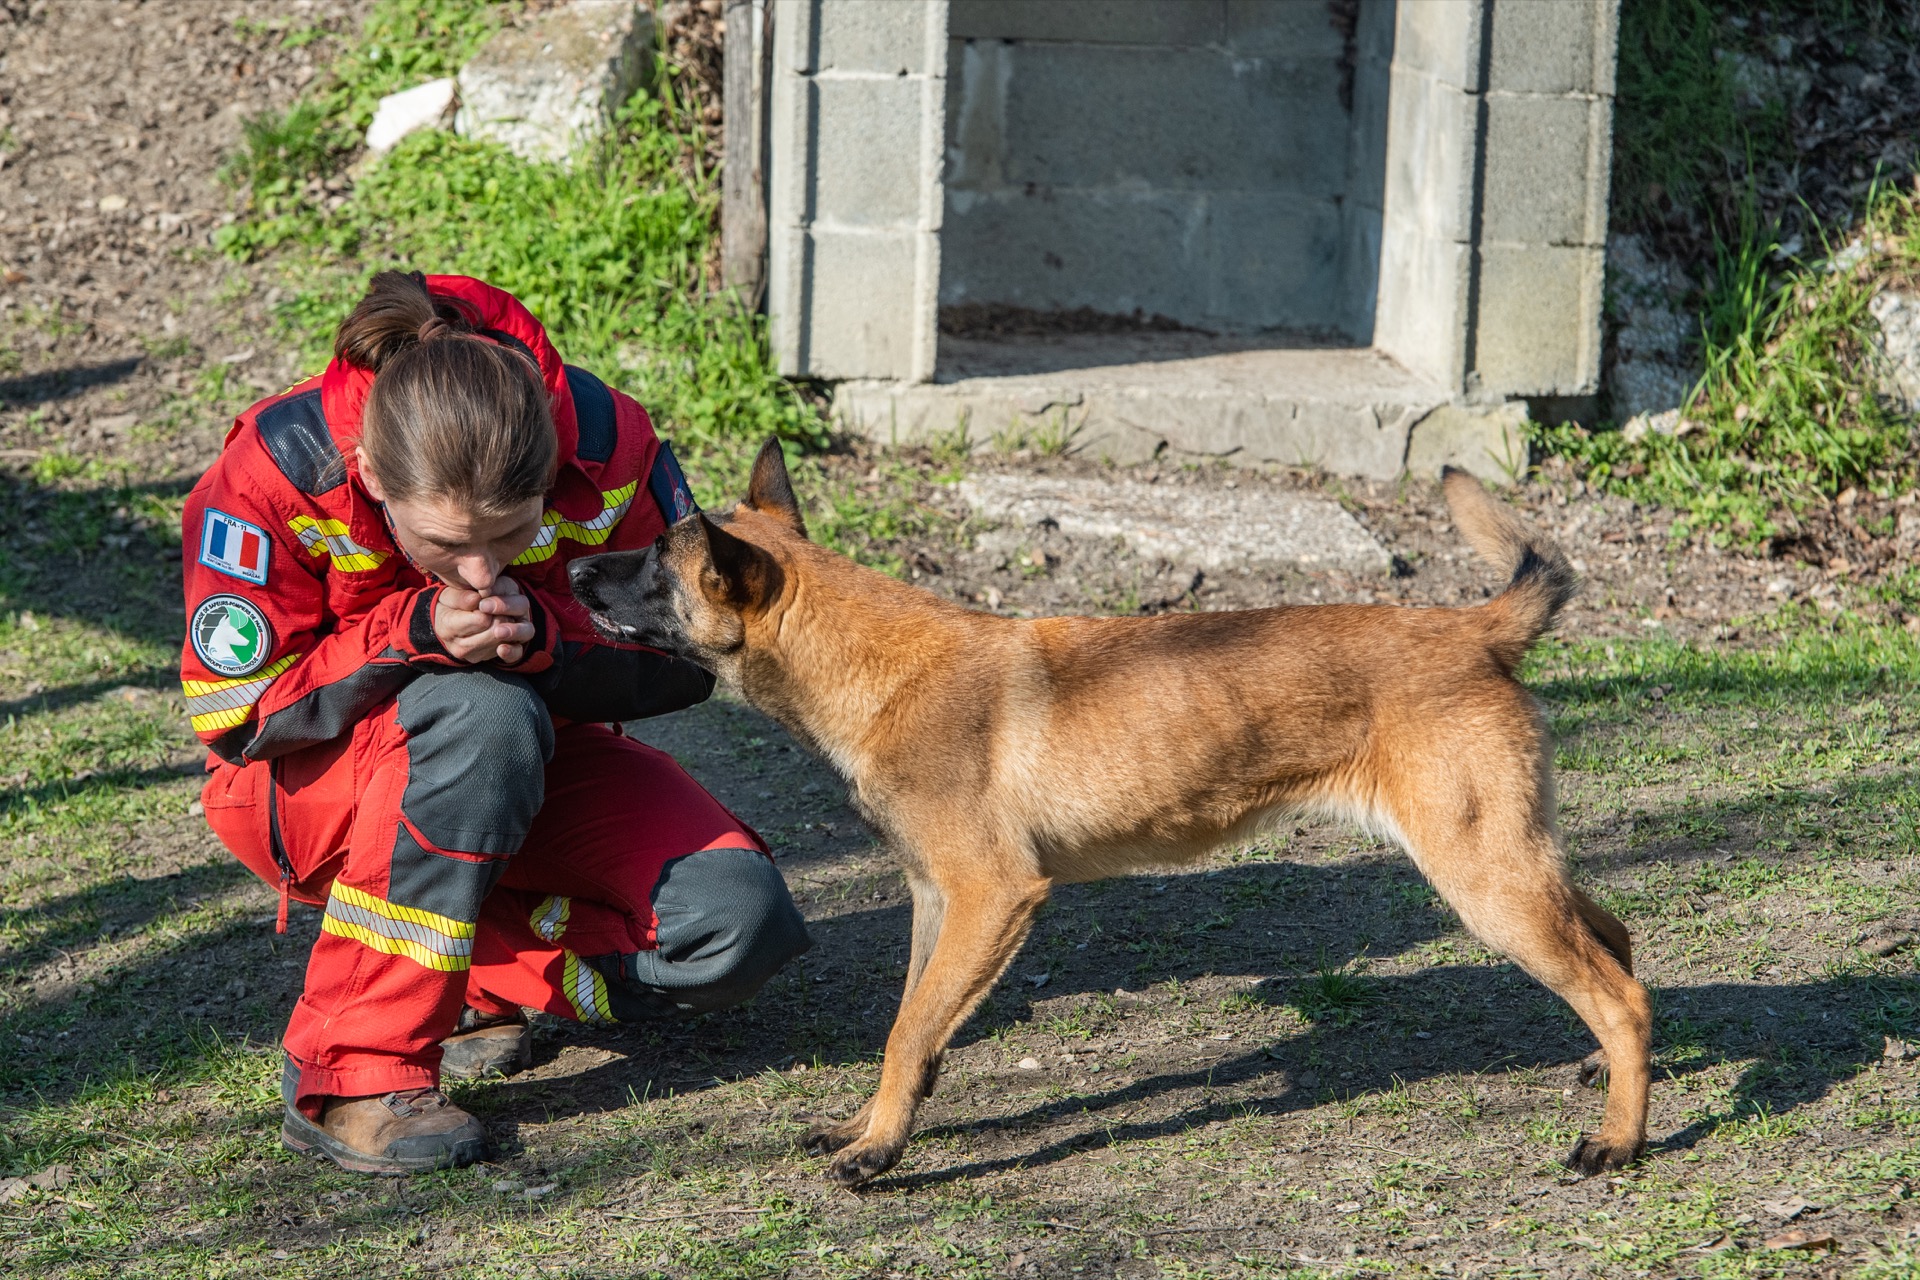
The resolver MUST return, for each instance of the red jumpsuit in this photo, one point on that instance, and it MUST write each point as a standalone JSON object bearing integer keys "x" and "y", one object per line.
{"x": 477, "y": 834}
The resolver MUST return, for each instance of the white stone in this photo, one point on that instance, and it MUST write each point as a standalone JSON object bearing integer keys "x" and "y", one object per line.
{"x": 425, "y": 106}
{"x": 1896, "y": 348}
{"x": 543, "y": 88}
{"x": 1185, "y": 525}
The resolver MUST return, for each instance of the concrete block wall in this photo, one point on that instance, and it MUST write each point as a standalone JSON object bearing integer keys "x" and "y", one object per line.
{"x": 1192, "y": 158}
{"x": 1498, "y": 148}
{"x": 854, "y": 200}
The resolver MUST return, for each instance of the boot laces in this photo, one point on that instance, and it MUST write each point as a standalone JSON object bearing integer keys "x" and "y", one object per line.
{"x": 407, "y": 1103}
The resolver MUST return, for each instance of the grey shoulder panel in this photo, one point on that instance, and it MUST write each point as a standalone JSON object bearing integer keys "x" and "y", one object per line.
{"x": 295, "y": 434}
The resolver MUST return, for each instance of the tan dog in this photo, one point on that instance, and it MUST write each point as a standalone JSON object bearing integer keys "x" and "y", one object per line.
{"x": 1003, "y": 757}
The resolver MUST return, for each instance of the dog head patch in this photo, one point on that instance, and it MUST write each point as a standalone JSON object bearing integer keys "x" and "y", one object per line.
{"x": 230, "y": 635}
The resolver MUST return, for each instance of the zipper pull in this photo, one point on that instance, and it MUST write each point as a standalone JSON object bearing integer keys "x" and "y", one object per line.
{"x": 286, "y": 891}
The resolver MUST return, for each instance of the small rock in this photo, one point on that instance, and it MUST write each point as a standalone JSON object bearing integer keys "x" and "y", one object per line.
{"x": 425, "y": 106}
{"x": 1896, "y": 346}
{"x": 112, "y": 204}
{"x": 543, "y": 88}
{"x": 1667, "y": 423}
{"x": 196, "y": 809}
{"x": 1028, "y": 1064}
{"x": 1790, "y": 1208}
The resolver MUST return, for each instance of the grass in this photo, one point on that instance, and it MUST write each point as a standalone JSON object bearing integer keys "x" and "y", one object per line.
{"x": 141, "y": 993}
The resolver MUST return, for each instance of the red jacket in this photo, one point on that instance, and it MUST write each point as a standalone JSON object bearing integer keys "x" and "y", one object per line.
{"x": 303, "y": 614}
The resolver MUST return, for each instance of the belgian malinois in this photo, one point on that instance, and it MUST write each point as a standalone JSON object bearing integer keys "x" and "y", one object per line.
{"x": 1004, "y": 756}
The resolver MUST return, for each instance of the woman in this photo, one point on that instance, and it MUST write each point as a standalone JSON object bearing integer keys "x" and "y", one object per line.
{"x": 413, "y": 725}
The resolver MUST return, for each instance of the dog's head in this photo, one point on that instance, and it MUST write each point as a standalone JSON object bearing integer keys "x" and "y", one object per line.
{"x": 706, "y": 582}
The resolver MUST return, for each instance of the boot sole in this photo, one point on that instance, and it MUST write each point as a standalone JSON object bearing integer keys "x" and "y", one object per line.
{"x": 307, "y": 1138}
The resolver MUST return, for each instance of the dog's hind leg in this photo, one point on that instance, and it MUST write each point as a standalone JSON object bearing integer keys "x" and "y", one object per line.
{"x": 1506, "y": 877}
{"x": 1614, "y": 937}
{"x": 987, "y": 917}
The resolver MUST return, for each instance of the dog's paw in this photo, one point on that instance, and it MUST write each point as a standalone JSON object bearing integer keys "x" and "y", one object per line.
{"x": 1593, "y": 1071}
{"x": 863, "y": 1164}
{"x": 825, "y": 1139}
{"x": 1593, "y": 1155}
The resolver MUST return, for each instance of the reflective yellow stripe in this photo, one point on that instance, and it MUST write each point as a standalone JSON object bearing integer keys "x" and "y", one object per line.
{"x": 549, "y": 919}
{"x": 588, "y": 533}
{"x": 425, "y": 957}
{"x": 430, "y": 941}
{"x": 330, "y": 538}
{"x": 446, "y": 925}
{"x": 221, "y": 704}
{"x": 586, "y": 991}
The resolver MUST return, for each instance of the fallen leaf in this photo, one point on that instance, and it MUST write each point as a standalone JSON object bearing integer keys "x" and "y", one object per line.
{"x": 1040, "y": 979}
{"x": 1802, "y": 1240}
{"x": 1029, "y": 1064}
{"x": 12, "y": 1189}
{"x": 54, "y": 1177}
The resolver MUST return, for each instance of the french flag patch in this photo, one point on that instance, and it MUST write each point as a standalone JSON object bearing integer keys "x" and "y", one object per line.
{"x": 233, "y": 547}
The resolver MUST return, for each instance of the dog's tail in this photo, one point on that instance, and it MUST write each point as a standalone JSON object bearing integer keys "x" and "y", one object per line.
{"x": 1540, "y": 581}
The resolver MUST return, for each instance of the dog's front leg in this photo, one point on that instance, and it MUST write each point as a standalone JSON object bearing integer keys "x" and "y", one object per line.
{"x": 985, "y": 921}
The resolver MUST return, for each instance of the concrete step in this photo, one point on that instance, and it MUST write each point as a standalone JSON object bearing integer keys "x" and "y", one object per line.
{"x": 1128, "y": 397}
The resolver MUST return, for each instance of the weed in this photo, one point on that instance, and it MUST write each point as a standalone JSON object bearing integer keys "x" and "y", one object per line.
{"x": 1339, "y": 993}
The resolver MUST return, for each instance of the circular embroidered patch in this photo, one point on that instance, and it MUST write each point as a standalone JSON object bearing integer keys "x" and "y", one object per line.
{"x": 231, "y": 635}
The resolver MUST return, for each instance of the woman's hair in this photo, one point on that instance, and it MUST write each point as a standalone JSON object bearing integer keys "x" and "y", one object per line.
{"x": 451, "y": 415}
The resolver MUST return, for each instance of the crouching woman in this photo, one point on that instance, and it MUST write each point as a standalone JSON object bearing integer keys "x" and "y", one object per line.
{"x": 412, "y": 725}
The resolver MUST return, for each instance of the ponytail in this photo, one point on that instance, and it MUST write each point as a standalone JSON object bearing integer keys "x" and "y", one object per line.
{"x": 451, "y": 416}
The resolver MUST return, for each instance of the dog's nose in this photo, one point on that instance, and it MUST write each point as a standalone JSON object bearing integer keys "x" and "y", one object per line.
{"x": 584, "y": 571}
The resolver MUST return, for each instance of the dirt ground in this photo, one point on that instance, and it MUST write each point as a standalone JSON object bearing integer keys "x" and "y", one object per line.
{"x": 1291, "y": 1060}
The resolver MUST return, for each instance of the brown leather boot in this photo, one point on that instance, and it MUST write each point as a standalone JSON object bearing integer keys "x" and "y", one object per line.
{"x": 410, "y": 1131}
{"x": 484, "y": 1046}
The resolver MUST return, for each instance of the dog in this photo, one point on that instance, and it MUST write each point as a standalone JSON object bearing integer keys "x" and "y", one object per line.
{"x": 1002, "y": 756}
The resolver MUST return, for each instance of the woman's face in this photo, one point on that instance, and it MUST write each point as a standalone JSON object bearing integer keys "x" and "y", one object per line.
{"x": 453, "y": 544}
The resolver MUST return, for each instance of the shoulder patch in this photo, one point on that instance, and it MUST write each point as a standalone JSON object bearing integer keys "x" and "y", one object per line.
{"x": 230, "y": 635}
{"x": 668, "y": 485}
{"x": 295, "y": 433}
{"x": 593, "y": 411}
{"x": 234, "y": 547}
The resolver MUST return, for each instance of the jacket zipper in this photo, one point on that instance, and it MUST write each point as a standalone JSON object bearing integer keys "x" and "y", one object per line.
{"x": 277, "y": 845}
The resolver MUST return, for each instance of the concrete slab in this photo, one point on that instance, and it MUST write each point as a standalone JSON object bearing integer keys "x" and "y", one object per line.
{"x": 1129, "y": 396}
{"x": 543, "y": 88}
{"x": 1203, "y": 527}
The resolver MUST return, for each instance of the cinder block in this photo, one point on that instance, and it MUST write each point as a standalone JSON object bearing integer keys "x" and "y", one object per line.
{"x": 863, "y": 36}
{"x": 1440, "y": 38}
{"x": 1538, "y": 328}
{"x": 1091, "y": 115}
{"x": 861, "y": 318}
{"x": 1488, "y": 440}
{"x": 1296, "y": 32}
{"x": 1420, "y": 316}
{"x": 1538, "y": 181}
{"x": 867, "y": 151}
{"x": 1061, "y": 250}
{"x": 1546, "y": 46}
{"x": 1275, "y": 262}
{"x": 976, "y": 152}
{"x": 1145, "y": 22}
{"x": 1430, "y": 153}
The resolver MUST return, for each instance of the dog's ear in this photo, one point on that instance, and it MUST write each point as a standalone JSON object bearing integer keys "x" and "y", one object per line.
{"x": 770, "y": 492}
{"x": 737, "y": 572}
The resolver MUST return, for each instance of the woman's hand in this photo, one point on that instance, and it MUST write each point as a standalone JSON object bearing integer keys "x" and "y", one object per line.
{"x": 477, "y": 628}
